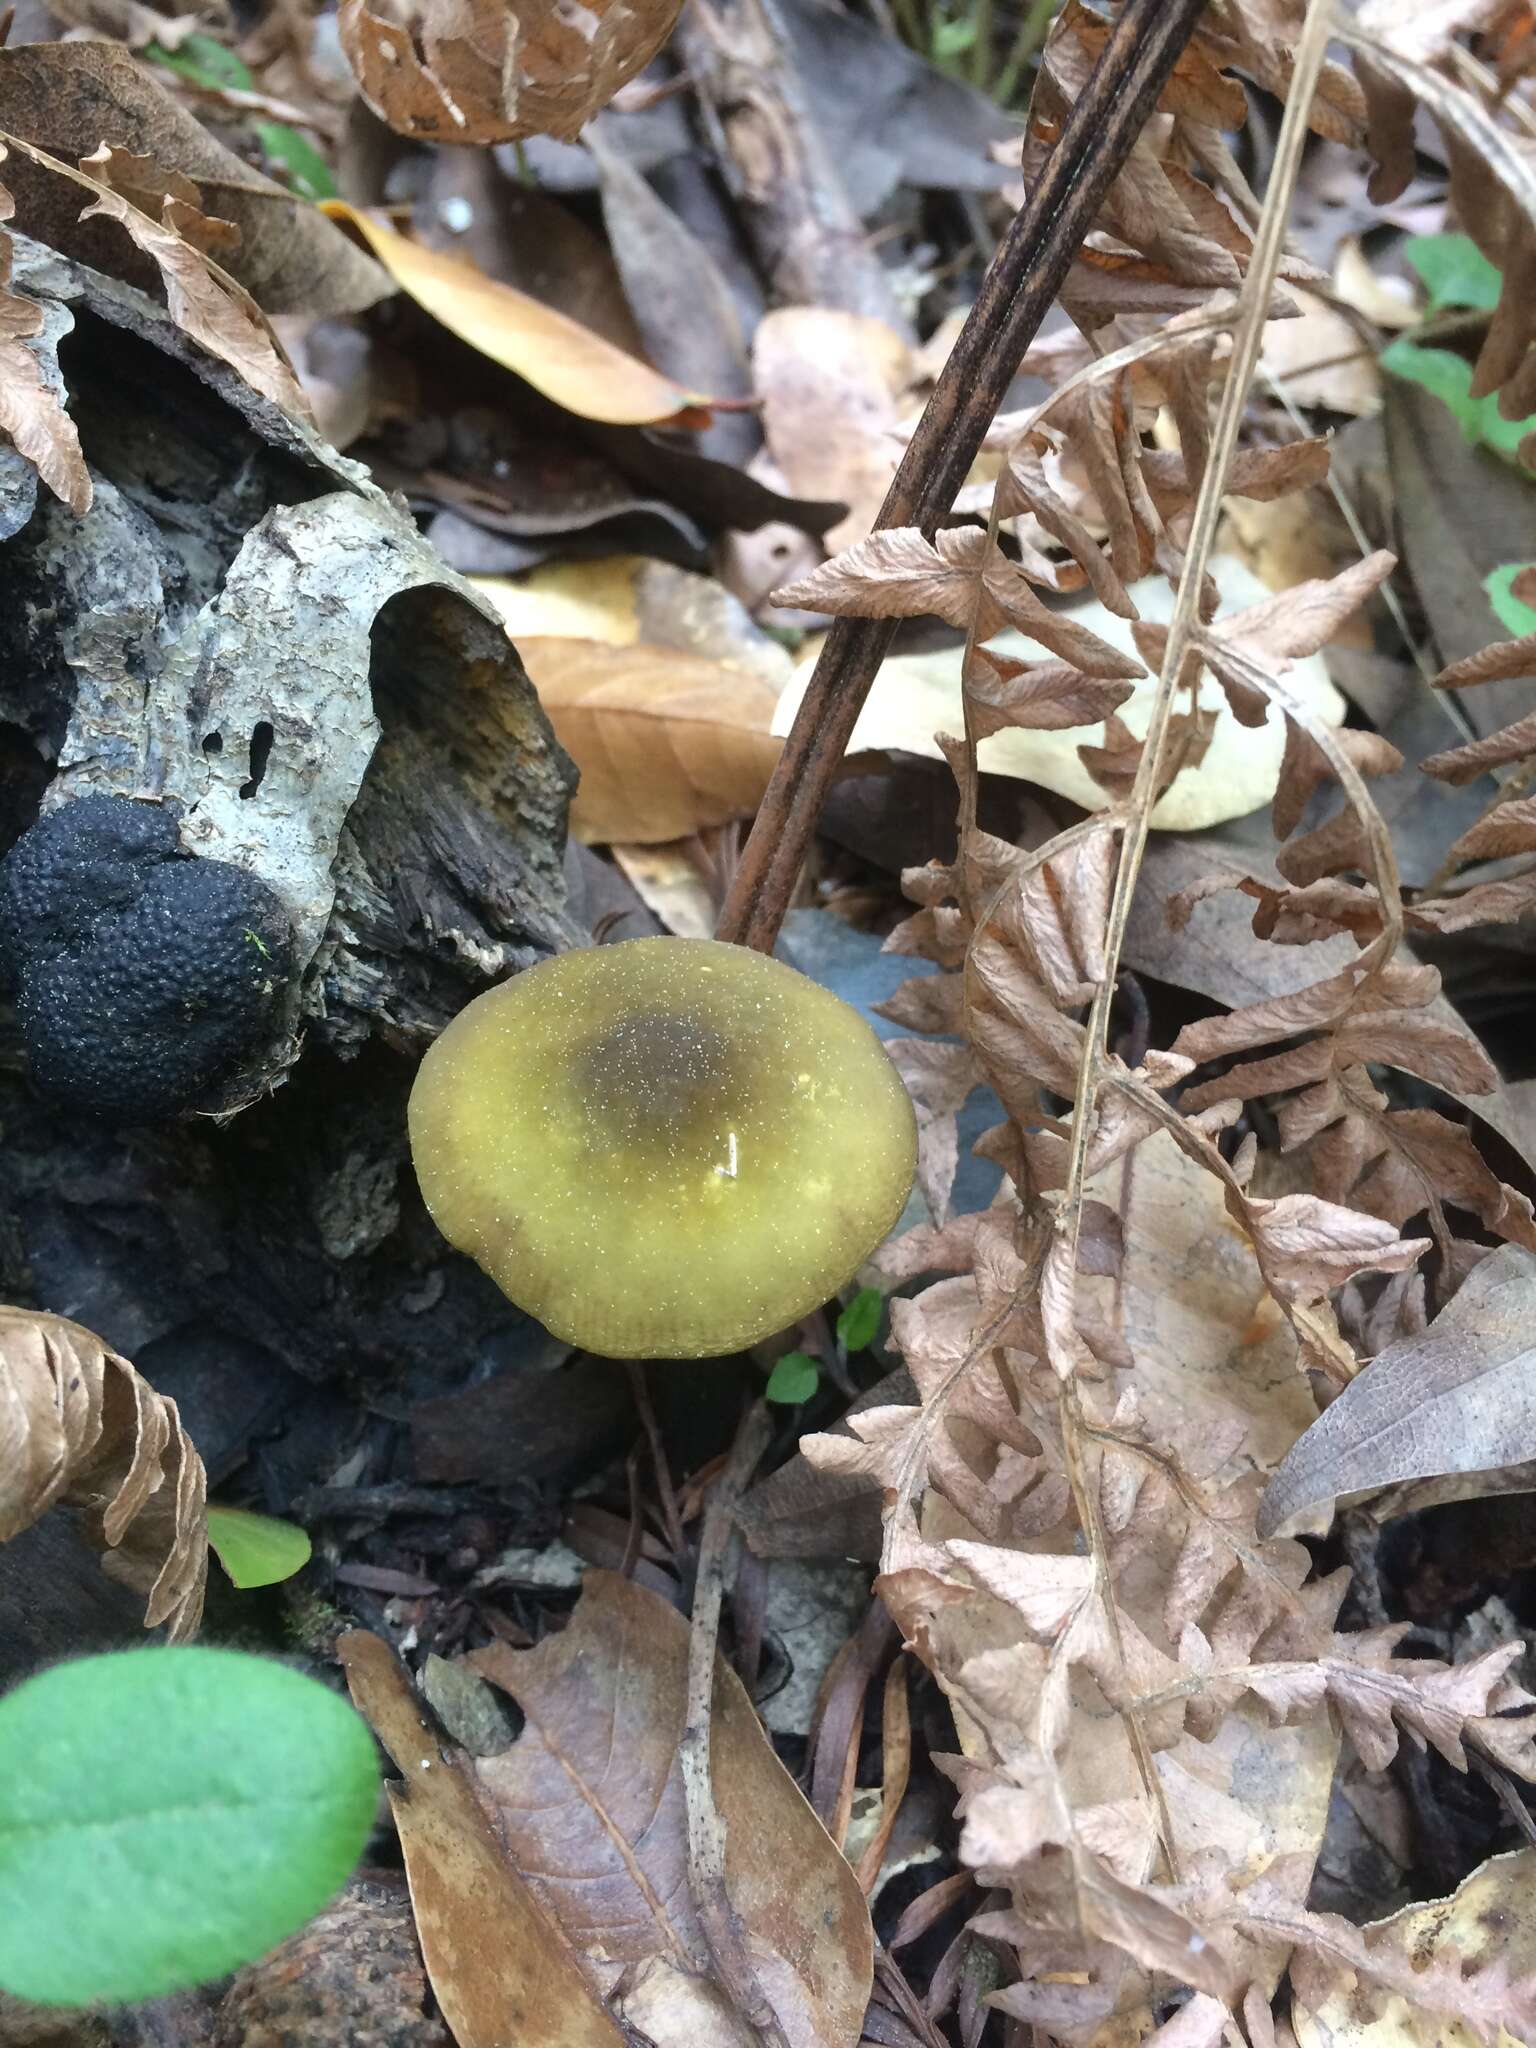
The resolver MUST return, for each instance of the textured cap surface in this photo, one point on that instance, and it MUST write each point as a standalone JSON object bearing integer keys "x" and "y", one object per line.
{"x": 666, "y": 1148}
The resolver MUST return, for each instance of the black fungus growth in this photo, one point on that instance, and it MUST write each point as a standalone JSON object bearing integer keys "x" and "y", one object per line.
{"x": 142, "y": 975}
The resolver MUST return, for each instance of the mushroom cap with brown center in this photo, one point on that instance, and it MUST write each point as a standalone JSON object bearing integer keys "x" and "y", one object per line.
{"x": 668, "y": 1148}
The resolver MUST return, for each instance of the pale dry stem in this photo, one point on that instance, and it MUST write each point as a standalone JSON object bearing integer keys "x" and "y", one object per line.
{"x": 1253, "y": 313}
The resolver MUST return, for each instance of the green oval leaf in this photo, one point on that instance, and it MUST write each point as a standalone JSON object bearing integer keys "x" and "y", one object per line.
{"x": 793, "y": 1380}
{"x": 256, "y": 1550}
{"x": 1513, "y": 614}
{"x": 1455, "y": 271}
{"x": 859, "y": 1322}
{"x": 168, "y": 1814}
{"x": 1448, "y": 377}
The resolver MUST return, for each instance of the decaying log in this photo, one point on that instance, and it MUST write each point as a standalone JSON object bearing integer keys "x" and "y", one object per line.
{"x": 246, "y": 634}
{"x": 245, "y": 627}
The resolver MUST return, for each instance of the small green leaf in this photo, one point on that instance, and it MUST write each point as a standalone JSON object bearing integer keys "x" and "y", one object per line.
{"x": 1455, "y": 271}
{"x": 1448, "y": 377}
{"x": 205, "y": 62}
{"x": 167, "y": 1815}
{"x": 793, "y": 1380}
{"x": 1516, "y": 617}
{"x": 211, "y": 65}
{"x": 302, "y": 165}
{"x": 952, "y": 38}
{"x": 256, "y": 1550}
{"x": 859, "y": 1322}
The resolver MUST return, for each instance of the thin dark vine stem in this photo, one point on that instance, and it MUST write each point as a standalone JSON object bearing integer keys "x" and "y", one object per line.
{"x": 1024, "y": 278}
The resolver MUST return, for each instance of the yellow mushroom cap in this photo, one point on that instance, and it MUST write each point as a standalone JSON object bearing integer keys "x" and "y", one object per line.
{"x": 668, "y": 1148}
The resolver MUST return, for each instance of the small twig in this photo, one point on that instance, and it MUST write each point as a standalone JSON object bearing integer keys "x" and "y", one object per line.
{"x": 1027, "y": 272}
{"x": 1506, "y": 1790}
{"x": 892, "y": 1980}
{"x": 706, "y": 1824}
{"x": 640, "y": 1386}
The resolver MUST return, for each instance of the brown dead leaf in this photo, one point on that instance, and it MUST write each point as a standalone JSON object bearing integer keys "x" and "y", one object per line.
{"x": 130, "y": 22}
{"x": 66, "y": 98}
{"x": 667, "y": 743}
{"x": 462, "y": 71}
{"x": 1460, "y": 1397}
{"x": 79, "y": 1427}
{"x": 962, "y": 577}
{"x": 830, "y": 383}
{"x": 899, "y": 573}
{"x": 501, "y": 1968}
{"x": 670, "y": 877}
{"x": 1508, "y": 829}
{"x": 1322, "y": 359}
{"x": 163, "y": 195}
{"x": 1458, "y": 765}
{"x": 555, "y": 354}
{"x": 32, "y": 413}
{"x": 623, "y": 599}
{"x": 204, "y": 301}
{"x": 591, "y": 1798}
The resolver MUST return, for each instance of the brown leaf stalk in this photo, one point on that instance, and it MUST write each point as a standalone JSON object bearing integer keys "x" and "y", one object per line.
{"x": 1022, "y": 281}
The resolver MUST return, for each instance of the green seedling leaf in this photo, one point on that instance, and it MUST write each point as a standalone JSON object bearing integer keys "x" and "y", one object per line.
{"x": 205, "y": 61}
{"x": 859, "y": 1323}
{"x": 296, "y": 157}
{"x": 167, "y": 1815}
{"x": 256, "y": 1550}
{"x": 952, "y": 38}
{"x": 793, "y": 1380}
{"x": 1516, "y": 617}
{"x": 1449, "y": 378}
{"x": 1454, "y": 270}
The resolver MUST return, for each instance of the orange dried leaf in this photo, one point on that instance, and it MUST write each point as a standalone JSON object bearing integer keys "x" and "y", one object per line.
{"x": 667, "y": 743}
{"x": 555, "y": 354}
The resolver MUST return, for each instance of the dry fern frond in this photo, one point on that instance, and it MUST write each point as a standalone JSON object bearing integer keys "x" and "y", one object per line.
{"x": 1110, "y": 1368}
{"x": 79, "y": 1427}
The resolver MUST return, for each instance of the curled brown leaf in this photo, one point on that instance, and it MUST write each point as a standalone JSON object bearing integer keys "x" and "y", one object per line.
{"x": 79, "y": 1427}
{"x": 32, "y": 414}
{"x": 464, "y": 71}
{"x": 203, "y": 300}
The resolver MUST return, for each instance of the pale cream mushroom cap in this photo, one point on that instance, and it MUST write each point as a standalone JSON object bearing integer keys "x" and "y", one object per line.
{"x": 668, "y": 1148}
